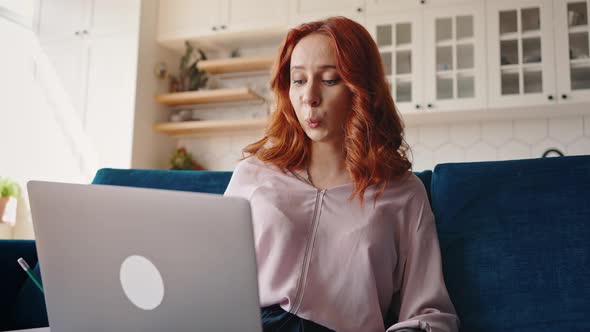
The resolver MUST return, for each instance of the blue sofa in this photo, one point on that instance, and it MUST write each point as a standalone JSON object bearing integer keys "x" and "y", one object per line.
{"x": 514, "y": 235}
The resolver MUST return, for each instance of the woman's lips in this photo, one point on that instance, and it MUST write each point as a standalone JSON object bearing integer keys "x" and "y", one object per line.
{"x": 312, "y": 123}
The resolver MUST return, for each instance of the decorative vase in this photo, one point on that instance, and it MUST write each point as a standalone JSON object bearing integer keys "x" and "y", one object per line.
{"x": 8, "y": 210}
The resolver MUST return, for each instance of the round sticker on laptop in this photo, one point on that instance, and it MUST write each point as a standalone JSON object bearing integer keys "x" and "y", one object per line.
{"x": 142, "y": 282}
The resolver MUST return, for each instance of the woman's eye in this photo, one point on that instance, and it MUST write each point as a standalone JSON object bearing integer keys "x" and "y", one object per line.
{"x": 297, "y": 82}
{"x": 331, "y": 82}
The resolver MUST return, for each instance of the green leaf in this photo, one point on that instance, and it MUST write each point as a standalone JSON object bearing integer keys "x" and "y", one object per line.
{"x": 9, "y": 187}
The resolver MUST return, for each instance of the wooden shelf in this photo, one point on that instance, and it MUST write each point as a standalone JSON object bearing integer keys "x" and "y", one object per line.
{"x": 208, "y": 96}
{"x": 226, "y": 40}
{"x": 233, "y": 65}
{"x": 209, "y": 127}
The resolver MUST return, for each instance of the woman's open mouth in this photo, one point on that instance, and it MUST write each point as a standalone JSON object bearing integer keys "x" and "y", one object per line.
{"x": 313, "y": 123}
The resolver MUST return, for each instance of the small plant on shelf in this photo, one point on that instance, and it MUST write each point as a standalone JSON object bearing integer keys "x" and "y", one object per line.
{"x": 190, "y": 78}
{"x": 183, "y": 160}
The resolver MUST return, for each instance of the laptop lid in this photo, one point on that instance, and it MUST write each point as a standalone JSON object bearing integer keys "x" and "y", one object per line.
{"x": 134, "y": 259}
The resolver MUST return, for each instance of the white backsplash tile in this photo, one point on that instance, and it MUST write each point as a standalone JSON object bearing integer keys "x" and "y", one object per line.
{"x": 433, "y": 136}
{"x": 496, "y": 133}
{"x": 421, "y": 157}
{"x": 449, "y": 153}
{"x": 566, "y": 130}
{"x": 514, "y": 150}
{"x": 411, "y": 134}
{"x": 530, "y": 131}
{"x": 480, "y": 151}
{"x": 580, "y": 146}
{"x": 465, "y": 134}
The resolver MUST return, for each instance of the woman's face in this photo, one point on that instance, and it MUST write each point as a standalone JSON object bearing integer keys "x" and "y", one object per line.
{"x": 320, "y": 98}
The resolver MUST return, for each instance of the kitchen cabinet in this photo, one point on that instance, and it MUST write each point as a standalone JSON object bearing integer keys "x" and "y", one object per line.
{"x": 434, "y": 57}
{"x": 521, "y": 57}
{"x": 301, "y": 11}
{"x": 399, "y": 39}
{"x": 197, "y": 18}
{"x": 572, "y": 52}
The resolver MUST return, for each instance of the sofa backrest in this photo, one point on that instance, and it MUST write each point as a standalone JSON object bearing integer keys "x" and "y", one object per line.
{"x": 514, "y": 238}
{"x": 213, "y": 182}
{"x": 197, "y": 181}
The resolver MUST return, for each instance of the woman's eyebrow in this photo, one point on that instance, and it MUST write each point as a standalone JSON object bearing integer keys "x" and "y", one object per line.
{"x": 320, "y": 67}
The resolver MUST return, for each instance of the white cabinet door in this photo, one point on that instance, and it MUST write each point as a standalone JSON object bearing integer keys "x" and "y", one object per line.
{"x": 376, "y": 7}
{"x": 380, "y": 7}
{"x": 446, "y": 3}
{"x": 399, "y": 38}
{"x": 61, "y": 26}
{"x": 521, "y": 61}
{"x": 62, "y": 19}
{"x": 114, "y": 16}
{"x": 302, "y": 11}
{"x": 572, "y": 51}
{"x": 240, "y": 15}
{"x": 188, "y": 18}
{"x": 69, "y": 62}
{"x": 455, "y": 58}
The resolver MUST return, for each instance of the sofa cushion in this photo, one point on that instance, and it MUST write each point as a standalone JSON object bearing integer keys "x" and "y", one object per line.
{"x": 29, "y": 309}
{"x": 514, "y": 237}
{"x": 198, "y": 181}
{"x": 12, "y": 277}
{"x": 426, "y": 178}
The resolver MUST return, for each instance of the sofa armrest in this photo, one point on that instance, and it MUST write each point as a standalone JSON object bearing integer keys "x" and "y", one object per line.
{"x": 13, "y": 277}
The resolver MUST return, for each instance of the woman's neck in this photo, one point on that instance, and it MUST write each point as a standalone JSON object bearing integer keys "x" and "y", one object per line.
{"x": 327, "y": 166}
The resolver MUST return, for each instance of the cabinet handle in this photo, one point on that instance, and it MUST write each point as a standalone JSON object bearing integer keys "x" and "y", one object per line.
{"x": 564, "y": 96}
{"x": 422, "y": 2}
{"x": 84, "y": 32}
{"x": 214, "y": 28}
{"x": 417, "y": 106}
{"x": 77, "y": 33}
{"x": 550, "y": 97}
{"x": 359, "y": 9}
{"x": 429, "y": 105}
{"x": 223, "y": 27}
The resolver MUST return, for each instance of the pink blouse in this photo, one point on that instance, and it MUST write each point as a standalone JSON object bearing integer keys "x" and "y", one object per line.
{"x": 329, "y": 260}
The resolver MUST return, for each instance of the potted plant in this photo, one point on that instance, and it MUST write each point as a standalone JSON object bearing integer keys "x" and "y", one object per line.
{"x": 183, "y": 160}
{"x": 190, "y": 77}
{"x": 9, "y": 193}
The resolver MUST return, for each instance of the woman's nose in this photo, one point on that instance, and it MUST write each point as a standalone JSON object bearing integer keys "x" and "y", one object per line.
{"x": 311, "y": 95}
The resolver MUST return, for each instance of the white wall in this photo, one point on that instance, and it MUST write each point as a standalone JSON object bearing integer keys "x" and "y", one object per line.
{"x": 150, "y": 149}
{"x": 35, "y": 142}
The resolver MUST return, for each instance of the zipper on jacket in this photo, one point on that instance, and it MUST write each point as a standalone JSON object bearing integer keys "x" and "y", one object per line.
{"x": 309, "y": 247}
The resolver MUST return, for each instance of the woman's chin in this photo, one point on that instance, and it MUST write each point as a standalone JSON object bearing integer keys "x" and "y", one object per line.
{"x": 318, "y": 135}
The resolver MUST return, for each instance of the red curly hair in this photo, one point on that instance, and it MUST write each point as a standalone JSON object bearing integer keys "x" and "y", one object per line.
{"x": 374, "y": 145}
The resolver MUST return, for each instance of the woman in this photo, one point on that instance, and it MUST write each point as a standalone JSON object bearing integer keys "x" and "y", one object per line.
{"x": 343, "y": 228}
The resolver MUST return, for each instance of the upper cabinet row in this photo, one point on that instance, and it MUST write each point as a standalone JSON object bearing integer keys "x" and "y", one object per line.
{"x": 204, "y": 17}
{"x": 438, "y": 55}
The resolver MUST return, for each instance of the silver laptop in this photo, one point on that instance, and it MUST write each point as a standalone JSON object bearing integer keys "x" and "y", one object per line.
{"x": 130, "y": 259}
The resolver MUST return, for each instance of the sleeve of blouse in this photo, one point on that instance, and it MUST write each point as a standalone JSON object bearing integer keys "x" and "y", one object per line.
{"x": 241, "y": 182}
{"x": 423, "y": 301}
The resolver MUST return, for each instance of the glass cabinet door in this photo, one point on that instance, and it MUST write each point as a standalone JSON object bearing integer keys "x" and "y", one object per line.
{"x": 398, "y": 39}
{"x": 455, "y": 58}
{"x": 573, "y": 53}
{"x": 520, "y": 44}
